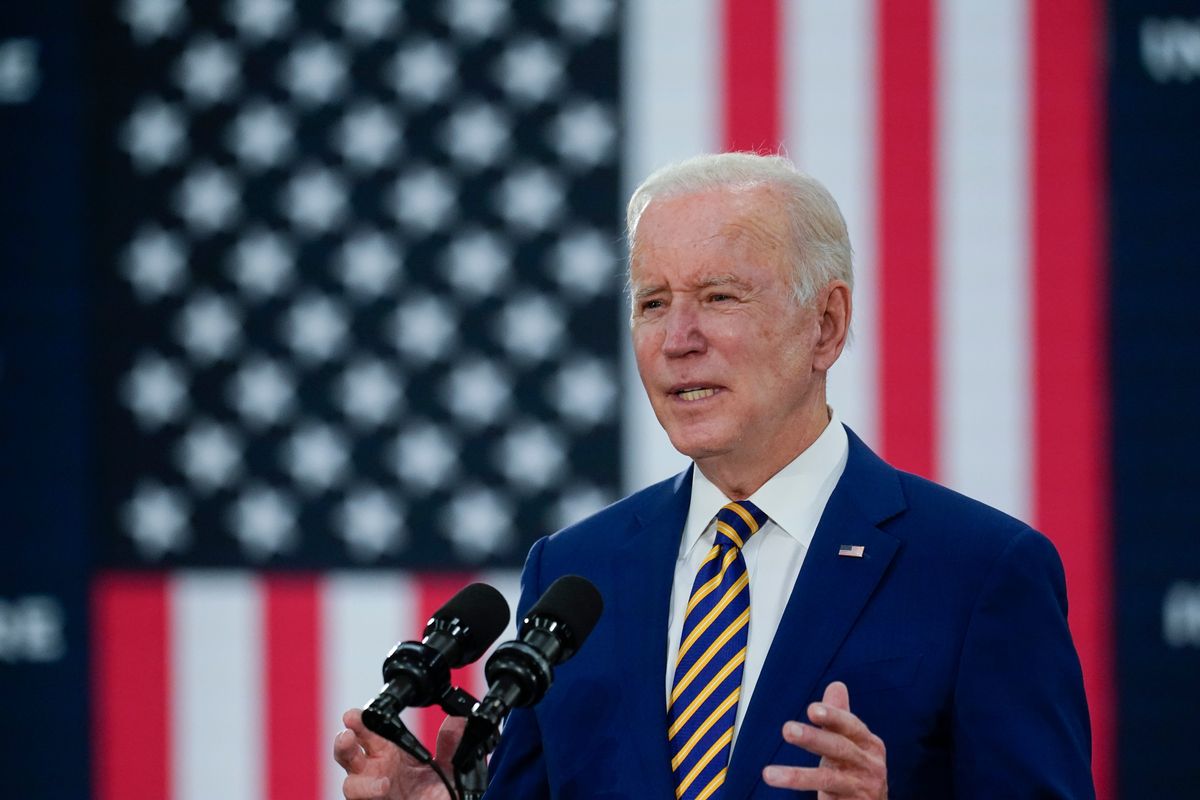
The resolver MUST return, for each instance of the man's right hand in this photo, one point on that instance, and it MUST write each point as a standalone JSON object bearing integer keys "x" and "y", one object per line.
{"x": 376, "y": 769}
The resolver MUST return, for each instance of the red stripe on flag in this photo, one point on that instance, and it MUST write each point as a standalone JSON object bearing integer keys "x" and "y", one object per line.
{"x": 1069, "y": 286}
{"x": 292, "y": 684}
{"x": 752, "y": 108}
{"x": 434, "y": 589}
{"x": 131, "y": 683}
{"x": 907, "y": 311}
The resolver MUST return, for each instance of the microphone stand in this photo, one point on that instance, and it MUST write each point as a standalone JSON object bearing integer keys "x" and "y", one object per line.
{"x": 471, "y": 781}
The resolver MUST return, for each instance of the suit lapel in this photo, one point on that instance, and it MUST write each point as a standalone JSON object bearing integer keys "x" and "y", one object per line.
{"x": 644, "y": 566}
{"x": 828, "y": 597}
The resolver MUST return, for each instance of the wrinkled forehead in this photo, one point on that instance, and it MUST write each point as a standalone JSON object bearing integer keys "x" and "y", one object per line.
{"x": 738, "y": 225}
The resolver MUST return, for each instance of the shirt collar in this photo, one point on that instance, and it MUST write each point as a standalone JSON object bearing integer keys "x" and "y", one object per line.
{"x": 786, "y": 497}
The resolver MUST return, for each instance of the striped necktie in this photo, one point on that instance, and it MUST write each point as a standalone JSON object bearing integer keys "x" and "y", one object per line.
{"x": 712, "y": 650}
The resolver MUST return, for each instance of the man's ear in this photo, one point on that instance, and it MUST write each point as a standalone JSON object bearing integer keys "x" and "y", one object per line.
{"x": 834, "y": 307}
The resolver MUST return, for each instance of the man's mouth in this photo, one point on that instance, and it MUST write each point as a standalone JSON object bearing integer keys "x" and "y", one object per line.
{"x": 695, "y": 393}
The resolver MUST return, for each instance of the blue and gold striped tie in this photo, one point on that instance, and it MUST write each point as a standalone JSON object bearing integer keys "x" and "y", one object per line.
{"x": 712, "y": 650}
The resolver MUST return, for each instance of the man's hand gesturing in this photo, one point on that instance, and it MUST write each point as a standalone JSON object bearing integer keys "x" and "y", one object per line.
{"x": 853, "y": 760}
{"x": 378, "y": 770}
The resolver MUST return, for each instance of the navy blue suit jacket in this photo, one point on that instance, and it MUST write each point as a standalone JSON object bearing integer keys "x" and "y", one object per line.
{"x": 950, "y": 633}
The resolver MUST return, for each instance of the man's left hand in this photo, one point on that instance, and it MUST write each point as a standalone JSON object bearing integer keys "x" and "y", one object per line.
{"x": 853, "y": 760}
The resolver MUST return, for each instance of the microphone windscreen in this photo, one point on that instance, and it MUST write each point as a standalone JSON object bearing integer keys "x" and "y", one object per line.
{"x": 573, "y": 601}
{"x": 483, "y": 614}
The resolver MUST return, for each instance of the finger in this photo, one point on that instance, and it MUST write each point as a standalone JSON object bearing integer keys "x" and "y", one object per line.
{"x": 837, "y": 695}
{"x": 371, "y": 742}
{"x": 365, "y": 787}
{"x": 449, "y": 735}
{"x": 821, "y": 779}
{"x": 348, "y": 753}
{"x": 825, "y": 744}
{"x": 841, "y": 721}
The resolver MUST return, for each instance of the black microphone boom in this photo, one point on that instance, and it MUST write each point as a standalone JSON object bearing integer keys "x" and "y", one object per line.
{"x": 520, "y": 671}
{"x": 418, "y": 673}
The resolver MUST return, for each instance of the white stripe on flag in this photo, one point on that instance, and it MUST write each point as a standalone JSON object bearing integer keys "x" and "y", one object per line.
{"x": 362, "y": 616}
{"x": 984, "y": 252}
{"x": 216, "y": 731}
{"x": 672, "y": 91}
{"x": 829, "y": 117}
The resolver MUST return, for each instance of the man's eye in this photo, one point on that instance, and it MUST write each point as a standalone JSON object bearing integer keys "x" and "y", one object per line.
{"x": 650, "y": 305}
{"x": 717, "y": 298}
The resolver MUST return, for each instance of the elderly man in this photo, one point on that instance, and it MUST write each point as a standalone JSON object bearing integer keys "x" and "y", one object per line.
{"x": 790, "y": 613}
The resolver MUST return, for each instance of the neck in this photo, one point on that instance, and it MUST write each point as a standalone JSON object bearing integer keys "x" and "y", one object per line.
{"x": 738, "y": 474}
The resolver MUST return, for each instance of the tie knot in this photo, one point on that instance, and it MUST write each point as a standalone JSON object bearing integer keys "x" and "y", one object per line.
{"x": 737, "y": 522}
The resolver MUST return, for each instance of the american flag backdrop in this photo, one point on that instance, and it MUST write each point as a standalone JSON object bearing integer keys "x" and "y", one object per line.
{"x": 362, "y": 339}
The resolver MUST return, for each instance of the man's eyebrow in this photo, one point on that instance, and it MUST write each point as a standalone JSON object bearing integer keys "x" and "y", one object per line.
{"x": 707, "y": 282}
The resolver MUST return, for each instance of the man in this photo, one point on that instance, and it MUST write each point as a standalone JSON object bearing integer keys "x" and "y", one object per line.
{"x": 790, "y": 613}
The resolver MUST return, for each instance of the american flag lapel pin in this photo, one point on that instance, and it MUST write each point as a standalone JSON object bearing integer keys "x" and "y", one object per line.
{"x": 852, "y": 550}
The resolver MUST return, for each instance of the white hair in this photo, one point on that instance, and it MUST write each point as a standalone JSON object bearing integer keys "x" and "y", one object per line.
{"x": 819, "y": 235}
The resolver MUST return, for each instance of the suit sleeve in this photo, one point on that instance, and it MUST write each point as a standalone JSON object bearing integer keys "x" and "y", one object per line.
{"x": 1020, "y": 721}
{"x": 518, "y": 768}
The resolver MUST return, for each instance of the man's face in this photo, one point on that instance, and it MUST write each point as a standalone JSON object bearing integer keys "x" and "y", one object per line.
{"x": 723, "y": 348}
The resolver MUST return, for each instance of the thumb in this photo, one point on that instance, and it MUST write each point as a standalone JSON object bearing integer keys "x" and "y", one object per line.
{"x": 837, "y": 696}
{"x": 449, "y": 735}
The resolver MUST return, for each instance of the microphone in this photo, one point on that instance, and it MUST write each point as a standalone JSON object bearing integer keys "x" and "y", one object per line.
{"x": 521, "y": 670}
{"x": 418, "y": 673}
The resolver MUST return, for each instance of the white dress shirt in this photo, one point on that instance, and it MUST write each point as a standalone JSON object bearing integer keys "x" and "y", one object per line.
{"x": 794, "y": 499}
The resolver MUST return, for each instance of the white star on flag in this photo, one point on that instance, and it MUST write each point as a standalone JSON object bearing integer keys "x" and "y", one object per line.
{"x": 208, "y": 71}
{"x": 368, "y": 136}
{"x": 366, "y": 20}
{"x": 210, "y": 455}
{"x": 477, "y": 135}
{"x": 530, "y": 328}
{"x": 208, "y": 199}
{"x": 316, "y": 456}
{"x": 155, "y": 135}
{"x": 151, "y": 19}
{"x": 530, "y": 70}
{"x": 530, "y": 199}
{"x": 261, "y": 135}
{"x": 314, "y": 72}
{"x": 315, "y": 327}
{"x": 369, "y": 393}
{"x": 423, "y": 328}
{"x": 258, "y": 20}
{"x": 584, "y": 19}
{"x": 208, "y": 327}
{"x": 423, "y": 199}
{"x": 262, "y": 391}
{"x": 155, "y": 390}
{"x": 530, "y": 456}
{"x": 584, "y": 391}
{"x": 584, "y": 134}
{"x": 475, "y": 19}
{"x": 425, "y": 456}
{"x": 156, "y": 518}
{"x": 584, "y": 263}
{"x": 477, "y": 262}
{"x": 476, "y": 391}
{"x": 371, "y": 522}
{"x": 422, "y": 71}
{"x": 264, "y": 522}
{"x": 262, "y": 263}
{"x": 369, "y": 262}
{"x": 155, "y": 263}
{"x": 478, "y": 523}
{"x": 315, "y": 200}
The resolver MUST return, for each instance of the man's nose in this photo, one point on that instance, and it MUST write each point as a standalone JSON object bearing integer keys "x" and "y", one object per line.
{"x": 684, "y": 334}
